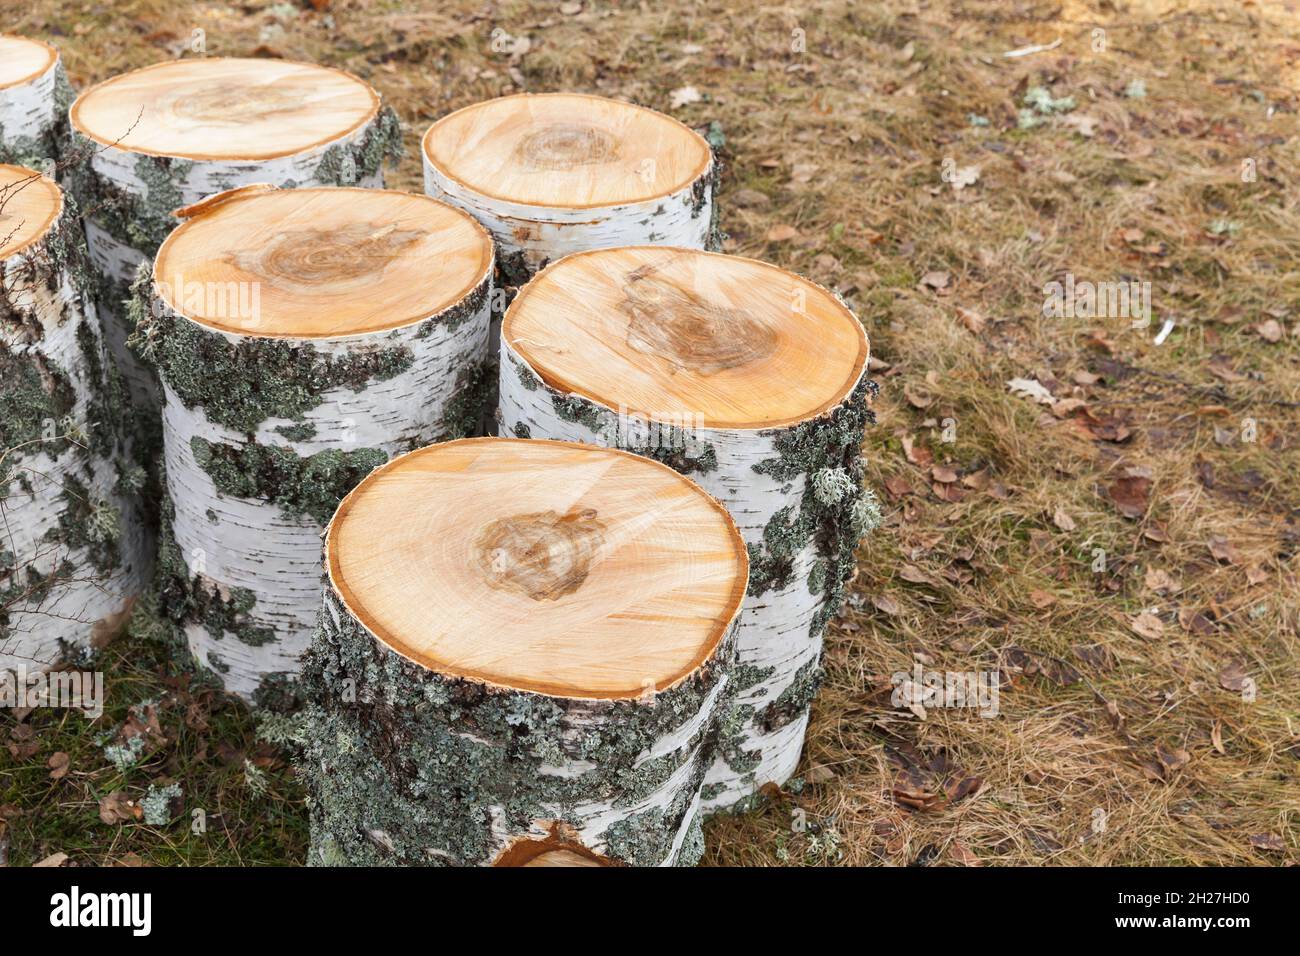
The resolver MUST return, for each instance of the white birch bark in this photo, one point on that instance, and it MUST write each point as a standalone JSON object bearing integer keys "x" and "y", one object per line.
{"x": 231, "y": 544}
{"x": 779, "y": 640}
{"x": 73, "y": 546}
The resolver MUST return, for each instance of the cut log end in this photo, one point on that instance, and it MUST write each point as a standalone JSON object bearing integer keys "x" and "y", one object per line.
{"x": 323, "y": 262}
{"x": 29, "y": 205}
{"x": 540, "y": 566}
{"x": 566, "y": 150}
{"x": 220, "y": 108}
{"x": 702, "y": 339}
{"x": 23, "y": 59}
{"x": 560, "y": 847}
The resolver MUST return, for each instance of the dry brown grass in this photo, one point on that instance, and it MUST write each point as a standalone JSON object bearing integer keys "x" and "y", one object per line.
{"x": 882, "y": 95}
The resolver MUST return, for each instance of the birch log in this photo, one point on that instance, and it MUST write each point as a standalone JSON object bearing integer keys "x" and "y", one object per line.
{"x": 750, "y": 380}
{"x": 168, "y": 135}
{"x": 553, "y": 173}
{"x": 34, "y": 98}
{"x": 73, "y": 554}
{"x": 520, "y": 641}
{"x": 303, "y": 337}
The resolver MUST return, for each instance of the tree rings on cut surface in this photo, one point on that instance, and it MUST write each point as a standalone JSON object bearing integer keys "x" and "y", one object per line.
{"x": 539, "y": 566}
{"x": 225, "y": 108}
{"x": 729, "y": 342}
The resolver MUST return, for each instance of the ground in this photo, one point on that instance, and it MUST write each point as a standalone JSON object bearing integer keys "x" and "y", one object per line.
{"x": 1114, "y": 538}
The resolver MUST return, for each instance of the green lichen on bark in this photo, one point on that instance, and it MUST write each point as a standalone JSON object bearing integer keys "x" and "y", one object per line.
{"x": 185, "y": 598}
{"x": 827, "y": 453}
{"x": 140, "y": 220}
{"x": 402, "y": 763}
{"x": 347, "y": 165}
{"x": 794, "y": 700}
{"x": 454, "y": 316}
{"x": 242, "y": 384}
{"x": 89, "y": 523}
{"x": 35, "y": 396}
{"x": 309, "y": 486}
{"x": 464, "y": 412}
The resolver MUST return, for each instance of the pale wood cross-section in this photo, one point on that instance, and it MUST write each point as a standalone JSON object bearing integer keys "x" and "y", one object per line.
{"x": 566, "y": 150}
{"x": 325, "y": 262}
{"x": 225, "y": 108}
{"x": 23, "y": 59}
{"x": 540, "y": 566}
{"x": 29, "y": 205}
{"x": 682, "y": 335}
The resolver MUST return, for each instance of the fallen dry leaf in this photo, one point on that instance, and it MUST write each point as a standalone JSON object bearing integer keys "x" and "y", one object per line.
{"x": 886, "y": 605}
{"x": 54, "y": 859}
{"x": 1063, "y": 520}
{"x": 1147, "y": 625}
{"x": 973, "y": 321}
{"x": 1130, "y": 495}
{"x": 1031, "y": 388}
{"x": 1042, "y": 599}
{"x": 781, "y": 233}
{"x": 59, "y": 765}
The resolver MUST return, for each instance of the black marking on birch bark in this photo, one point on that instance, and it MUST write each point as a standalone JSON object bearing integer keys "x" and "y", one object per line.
{"x": 242, "y": 385}
{"x": 417, "y": 757}
{"x": 311, "y": 486}
{"x": 48, "y": 145}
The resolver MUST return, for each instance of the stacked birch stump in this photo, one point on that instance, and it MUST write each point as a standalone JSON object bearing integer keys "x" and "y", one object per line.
{"x": 351, "y": 325}
{"x": 524, "y": 649}
{"x": 169, "y": 135}
{"x": 73, "y": 557}
{"x": 34, "y": 98}
{"x": 564, "y": 646}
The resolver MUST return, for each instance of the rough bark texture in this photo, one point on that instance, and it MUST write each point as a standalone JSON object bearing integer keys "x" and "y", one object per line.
{"x": 32, "y": 119}
{"x": 74, "y": 554}
{"x": 128, "y": 199}
{"x": 262, "y": 439}
{"x": 797, "y": 496}
{"x": 407, "y": 766}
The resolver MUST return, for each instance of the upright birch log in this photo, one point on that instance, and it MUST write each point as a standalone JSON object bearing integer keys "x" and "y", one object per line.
{"x": 168, "y": 135}
{"x": 34, "y": 98}
{"x": 523, "y": 648}
{"x": 750, "y": 380}
{"x": 73, "y": 551}
{"x": 553, "y": 173}
{"x": 303, "y": 337}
